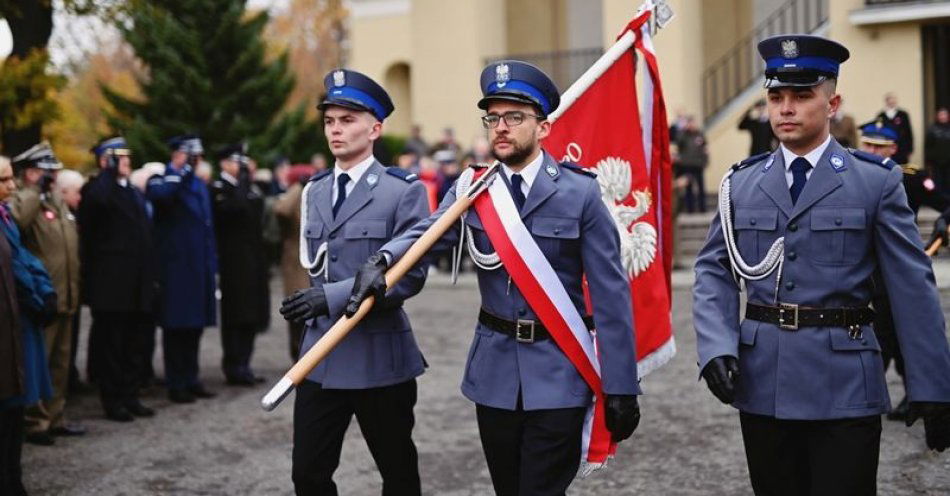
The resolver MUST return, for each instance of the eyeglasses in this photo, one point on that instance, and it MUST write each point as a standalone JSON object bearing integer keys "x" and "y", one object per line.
{"x": 513, "y": 118}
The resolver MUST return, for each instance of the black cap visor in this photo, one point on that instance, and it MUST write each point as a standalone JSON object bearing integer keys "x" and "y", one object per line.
{"x": 795, "y": 78}
{"x": 511, "y": 97}
{"x": 345, "y": 103}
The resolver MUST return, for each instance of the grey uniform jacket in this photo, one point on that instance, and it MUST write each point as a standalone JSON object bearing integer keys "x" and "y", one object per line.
{"x": 381, "y": 351}
{"x": 851, "y": 219}
{"x": 569, "y": 221}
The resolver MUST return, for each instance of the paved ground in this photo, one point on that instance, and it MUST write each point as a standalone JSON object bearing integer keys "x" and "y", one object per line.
{"x": 688, "y": 444}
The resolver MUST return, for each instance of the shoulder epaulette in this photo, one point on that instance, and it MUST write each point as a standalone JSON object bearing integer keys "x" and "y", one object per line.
{"x": 576, "y": 168}
{"x": 320, "y": 175}
{"x": 479, "y": 165}
{"x": 402, "y": 174}
{"x": 875, "y": 159}
{"x": 742, "y": 164}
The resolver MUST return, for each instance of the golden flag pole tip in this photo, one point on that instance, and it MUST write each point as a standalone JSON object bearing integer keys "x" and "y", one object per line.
{"x": 277, "y": 394}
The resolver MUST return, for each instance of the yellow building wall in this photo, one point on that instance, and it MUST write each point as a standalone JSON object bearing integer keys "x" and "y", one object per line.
{"x": 377, "y": 46}
{"x": 535, "y": 26}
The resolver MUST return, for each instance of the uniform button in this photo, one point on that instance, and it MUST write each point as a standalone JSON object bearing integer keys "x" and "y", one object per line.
{"x": 522, "y": 311}
{"x": 838, "y": 221}
{"x": 333, "y": 258}
{"x": 363, "y": 232}
{"x": 789, "y": 285}
{"x": 752, "y": 221}
{"x": 792, "y": 255}
{"x": 864, "y": 341}
{"x": 793, "y": 227}
{"x": 557, "y": 230}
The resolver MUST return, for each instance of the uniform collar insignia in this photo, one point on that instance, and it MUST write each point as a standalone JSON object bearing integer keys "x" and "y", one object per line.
{"x": 551, "y": 170}
{"x": 768, "y": 165}
{"x": 502, "y": 75}
{"x": 371, "y": 179}
{"x": 789, "y": 49}
{"x": 339, "y": 78}
{"x": 837, "y": 162}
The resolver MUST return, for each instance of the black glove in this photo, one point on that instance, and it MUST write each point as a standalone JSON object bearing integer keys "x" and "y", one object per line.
{"x": 305, "y": 304}
{"x": 622, "y": 415}
{"x": 721, "y": 374}
{"x": 940, "y": 232}
{"x": 370, "y": 280}
{"x": 936, "y": 422}
{"x": 46, "y": 182}
{"x": 48, "y": 313}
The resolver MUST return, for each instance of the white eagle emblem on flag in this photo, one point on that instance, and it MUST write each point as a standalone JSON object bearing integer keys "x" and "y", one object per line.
{"x": 638, "y": 240}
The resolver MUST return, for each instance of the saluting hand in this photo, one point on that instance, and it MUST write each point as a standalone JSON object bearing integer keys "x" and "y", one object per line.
{"x": 936, "y": 422}
{"x": 369, "y": 280}
{"x": 622, "y": 413}
{"x": 305, "y": 304}
{"x": 721, "y": 374}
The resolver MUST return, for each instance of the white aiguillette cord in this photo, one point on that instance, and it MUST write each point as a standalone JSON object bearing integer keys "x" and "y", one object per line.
{"x": 741, "y": 270}
{"x": 485, "y": 261}
{"x": 320, "y": 259}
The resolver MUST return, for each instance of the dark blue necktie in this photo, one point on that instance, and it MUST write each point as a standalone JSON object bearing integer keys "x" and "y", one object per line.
{"x": 516, "y": 192}
{"x": 340, "y": 192}
{"x": 799, "y": 167}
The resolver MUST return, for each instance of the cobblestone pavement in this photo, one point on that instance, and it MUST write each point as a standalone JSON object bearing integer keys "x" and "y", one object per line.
{"x": 687, "y": 444}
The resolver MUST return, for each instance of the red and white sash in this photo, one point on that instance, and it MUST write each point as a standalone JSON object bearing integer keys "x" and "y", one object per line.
{"x": 538, "y": 282}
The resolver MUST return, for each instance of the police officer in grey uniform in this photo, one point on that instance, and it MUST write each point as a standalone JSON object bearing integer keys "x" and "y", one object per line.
{"x": 803, "y": 229}
{"x": 347, "y": 213}
{"x": 530, "y": 400}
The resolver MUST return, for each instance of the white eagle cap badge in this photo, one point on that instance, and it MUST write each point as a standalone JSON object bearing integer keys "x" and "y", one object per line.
{"x": 502, "y": 75}
{"x": 339, "y": 78}
{"x": 789, "y": 49}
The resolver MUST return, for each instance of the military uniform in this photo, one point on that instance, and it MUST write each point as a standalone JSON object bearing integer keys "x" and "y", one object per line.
{"x": 530, "y": 399}
{"x": 346, "y": 216}
{"x": 184, "y": 233}
{"x": 810, "y": 387}
{"x": 49, "y": 232}
{"x": 238, "y": 207}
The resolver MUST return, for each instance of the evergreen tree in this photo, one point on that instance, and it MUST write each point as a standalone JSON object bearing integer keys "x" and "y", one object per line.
{"x": 206, "y": 73}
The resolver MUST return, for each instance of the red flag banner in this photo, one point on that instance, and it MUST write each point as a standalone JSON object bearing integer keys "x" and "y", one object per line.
{"x": 601, "y": 125}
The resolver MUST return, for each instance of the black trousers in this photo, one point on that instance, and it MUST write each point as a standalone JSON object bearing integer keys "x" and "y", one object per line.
{"x": 812, "y": 457}
{"x": 115, "y": 340}
{"x": 11, "y": 448}
{"x": 237, "y": 343}
{"x": 180, "y": 348}
{"x": 385, "y": 416}
{"x": 531, "y": 453}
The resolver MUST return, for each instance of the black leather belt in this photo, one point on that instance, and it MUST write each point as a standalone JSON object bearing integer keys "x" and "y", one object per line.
{"x": 790, "y": 316}
{"x": 524, "y": 331}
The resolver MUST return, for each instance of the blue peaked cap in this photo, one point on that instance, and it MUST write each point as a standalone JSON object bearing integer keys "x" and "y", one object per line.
{"x": 521, "y": 82}
{"x": 117, "y": 145}
{"x": 876, "y": 133}
{"x": 800, "y": 60}
{"x": 354, "y": 90}
{"x": 188, "y": 143}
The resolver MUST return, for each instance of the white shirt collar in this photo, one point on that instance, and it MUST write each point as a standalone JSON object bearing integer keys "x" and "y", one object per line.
{"x": 229, "y": 178}
{"x": 355, "y": 172}
{"x": 890, "y": 112}
{"x": 124, "y": 182}
{"x": 529, "y": 172}
{"x": 812, "y": 156}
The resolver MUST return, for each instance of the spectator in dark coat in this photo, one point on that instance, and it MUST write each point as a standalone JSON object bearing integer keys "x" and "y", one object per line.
{"x": 897, "y": 119}
{"x": 756, "y": 122}
{"x": 187, "y": 265}
{"x": 937, "y": 149}
{"x": 238, "y": 206}
{"x": 691, "y": 161}
{"x": 119, "y": 279}
{"x": 24, "y": 373}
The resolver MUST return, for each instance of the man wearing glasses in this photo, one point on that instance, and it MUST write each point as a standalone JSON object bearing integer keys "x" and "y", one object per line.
{"x": 530, "y": 400}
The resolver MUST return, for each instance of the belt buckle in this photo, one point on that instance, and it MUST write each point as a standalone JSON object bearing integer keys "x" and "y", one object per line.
{"x": 784, "y": 309}
{"x": 524, "y": 331}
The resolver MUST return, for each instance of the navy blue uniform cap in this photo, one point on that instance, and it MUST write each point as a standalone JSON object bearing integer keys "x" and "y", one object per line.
{"x": 351, "y": 89}
{"x": 518, "y": 81}
{"x": 188, "y": 143}
{"x": 876, "y": 133}
{"x": 235, "y": 151}
{"x": 800, "y": 60}
{"x": 115, "y": 146}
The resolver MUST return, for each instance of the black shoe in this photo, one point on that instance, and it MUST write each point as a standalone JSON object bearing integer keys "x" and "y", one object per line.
{"x": 68, "y": 430}
{"x": 240, "y": 381}
{"x": 119, "y": 414}
{"x": 199, "y": 391}
{"x": 135, "y": 407}
{"x": 900, "y": 412}
{"x": 41, "y": 438}
{"x": 180, "y": 396}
